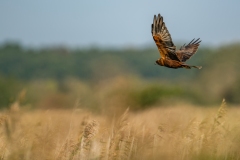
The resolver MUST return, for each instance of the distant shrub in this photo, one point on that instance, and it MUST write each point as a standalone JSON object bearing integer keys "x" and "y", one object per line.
{"x": 154, "y": 94}
{"x": 159, "y": 94}
{"x": 9, "y": 89}
{"x": 232, "y": 93}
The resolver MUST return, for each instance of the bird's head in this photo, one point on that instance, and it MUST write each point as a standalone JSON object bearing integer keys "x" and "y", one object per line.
{"x": 160, "y": 62}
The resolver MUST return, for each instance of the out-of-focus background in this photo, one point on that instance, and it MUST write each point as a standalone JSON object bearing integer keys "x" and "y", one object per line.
{"x": 100, "y": 54}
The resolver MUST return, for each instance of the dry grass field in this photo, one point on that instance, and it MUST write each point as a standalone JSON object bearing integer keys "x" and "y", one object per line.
{"x": 179, "y": 132}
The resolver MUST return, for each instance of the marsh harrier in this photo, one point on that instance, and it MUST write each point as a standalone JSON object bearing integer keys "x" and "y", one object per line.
{"x": 169, "y": 56}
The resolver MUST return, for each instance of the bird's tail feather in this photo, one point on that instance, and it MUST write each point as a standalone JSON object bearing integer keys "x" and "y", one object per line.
{"x": 186, "y": 66}
{"x": 198, "y": 67}
{"x": 189, "y": 67}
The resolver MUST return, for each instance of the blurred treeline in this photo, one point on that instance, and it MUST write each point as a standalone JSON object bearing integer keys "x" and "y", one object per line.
{"x": 95, "y": 77}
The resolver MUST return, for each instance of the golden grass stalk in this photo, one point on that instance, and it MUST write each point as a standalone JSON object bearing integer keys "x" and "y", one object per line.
{"x": 161, "y": 133}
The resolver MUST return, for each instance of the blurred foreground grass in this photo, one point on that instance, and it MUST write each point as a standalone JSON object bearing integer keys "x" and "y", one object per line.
{"x": 179, "y": 132}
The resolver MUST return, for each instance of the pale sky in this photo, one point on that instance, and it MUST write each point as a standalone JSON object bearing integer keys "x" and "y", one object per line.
{"x": 116, "y": 23}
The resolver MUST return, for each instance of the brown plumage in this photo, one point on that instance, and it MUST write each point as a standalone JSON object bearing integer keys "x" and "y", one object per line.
{"x": 169, "y": 56}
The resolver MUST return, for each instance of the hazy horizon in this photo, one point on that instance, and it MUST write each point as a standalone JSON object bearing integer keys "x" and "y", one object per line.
{"x": 114, "y": 24}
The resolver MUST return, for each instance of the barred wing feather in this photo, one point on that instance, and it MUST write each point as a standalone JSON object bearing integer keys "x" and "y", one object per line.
{"x": 163, "y": 39}
{"x": 187, "y": 51}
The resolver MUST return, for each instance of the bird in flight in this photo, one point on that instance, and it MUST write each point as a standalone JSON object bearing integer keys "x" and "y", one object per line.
{"x": 169, "y": 56}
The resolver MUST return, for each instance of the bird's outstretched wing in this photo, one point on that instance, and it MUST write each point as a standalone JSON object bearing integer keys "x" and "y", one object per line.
{"x": 163, "y": 39}
{"x": 186, "y": 51}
